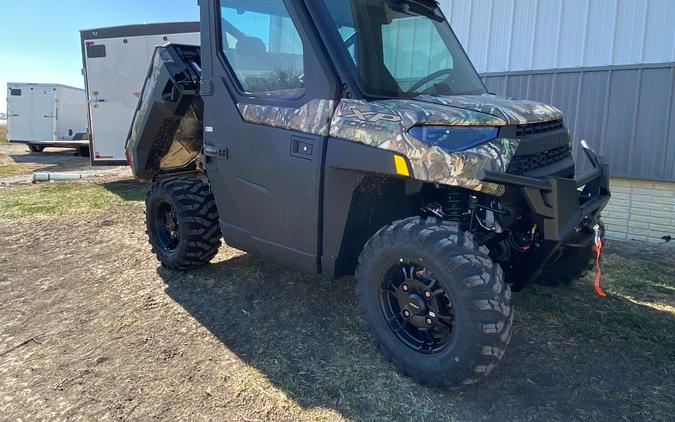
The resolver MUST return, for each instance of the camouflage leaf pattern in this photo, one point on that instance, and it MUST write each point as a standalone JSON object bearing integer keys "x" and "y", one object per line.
{"x": 314, "y": 117}
{"x": 513, "y": 112}
{"x": 385, "y": 124}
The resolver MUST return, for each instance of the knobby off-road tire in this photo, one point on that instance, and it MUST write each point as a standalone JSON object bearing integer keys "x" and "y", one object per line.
{"x": 187, "y": 206}
{"x": 481, "y": 300}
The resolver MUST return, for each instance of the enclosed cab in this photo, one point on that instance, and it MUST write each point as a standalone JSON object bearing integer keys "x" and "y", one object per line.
{"x": 46, "y": 115}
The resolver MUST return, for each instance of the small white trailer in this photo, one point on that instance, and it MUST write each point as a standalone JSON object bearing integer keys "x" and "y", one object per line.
{"x": 46, "y": 115}
{"x": 116, "y": 62}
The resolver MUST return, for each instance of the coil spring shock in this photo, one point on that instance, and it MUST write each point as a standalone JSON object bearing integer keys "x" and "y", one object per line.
{"x": 456, "y": 206}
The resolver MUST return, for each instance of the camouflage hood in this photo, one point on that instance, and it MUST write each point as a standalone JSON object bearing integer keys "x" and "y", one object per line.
{"x": 512, "y": 112}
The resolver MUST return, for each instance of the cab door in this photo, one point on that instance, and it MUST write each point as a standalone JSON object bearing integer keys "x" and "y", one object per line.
{"x": 269, "y": 96}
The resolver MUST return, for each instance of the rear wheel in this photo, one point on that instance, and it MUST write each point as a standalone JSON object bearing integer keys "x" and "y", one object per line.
{"x": 36, "y": 148}
{"x": 434, "y": 301}
{"x": 83, "y": 151}
{"x": 182, "y": 223}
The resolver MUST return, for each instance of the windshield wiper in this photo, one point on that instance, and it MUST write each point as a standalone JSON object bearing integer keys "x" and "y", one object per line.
{"x": 426, "y": 8}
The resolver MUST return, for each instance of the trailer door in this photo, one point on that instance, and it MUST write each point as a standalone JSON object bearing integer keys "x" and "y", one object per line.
{"x": 19, "y": 100}
{"x": 115, "y": 68}
{"x": 43, "y": 109}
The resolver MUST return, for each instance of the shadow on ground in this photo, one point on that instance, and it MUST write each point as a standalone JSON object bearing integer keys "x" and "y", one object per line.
{"x": 304, "y": 336}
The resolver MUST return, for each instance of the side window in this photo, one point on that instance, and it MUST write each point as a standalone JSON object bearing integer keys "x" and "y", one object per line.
{"x": 263, "y": 47}
{"x": 15, "y": 92}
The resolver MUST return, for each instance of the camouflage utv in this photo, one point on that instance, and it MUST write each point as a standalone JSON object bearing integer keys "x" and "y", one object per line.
{"x": 355, "y": 137}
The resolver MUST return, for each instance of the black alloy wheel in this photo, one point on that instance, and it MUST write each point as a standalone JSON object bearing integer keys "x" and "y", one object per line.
{"x": 417, "y": 308}
{"x": 168, "y": 230}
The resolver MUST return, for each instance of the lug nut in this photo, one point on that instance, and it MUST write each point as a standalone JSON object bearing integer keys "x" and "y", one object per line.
{"x": 429, "y": 321}
{"x": 405, "y": 287}
{"x": 427, "y": 295}
{"x": 406, "y": 313}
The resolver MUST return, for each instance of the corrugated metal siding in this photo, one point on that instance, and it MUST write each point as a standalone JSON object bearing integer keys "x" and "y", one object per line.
{"x": 515, "y": 35}
{"x": 626, "y": 113}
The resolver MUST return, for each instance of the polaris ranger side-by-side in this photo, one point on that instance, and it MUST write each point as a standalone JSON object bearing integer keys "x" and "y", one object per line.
{"x": 355, "y": 137}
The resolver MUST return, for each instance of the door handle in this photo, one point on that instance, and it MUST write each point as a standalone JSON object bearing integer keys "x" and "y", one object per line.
{"x": 218, "y": 152}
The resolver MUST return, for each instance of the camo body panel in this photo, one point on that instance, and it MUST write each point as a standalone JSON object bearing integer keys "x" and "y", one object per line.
{"x": 513, "y": 112}
{"x": 314, "y": 117}
{"x": 387, "y": 127}
{"x": 385, "y": 124}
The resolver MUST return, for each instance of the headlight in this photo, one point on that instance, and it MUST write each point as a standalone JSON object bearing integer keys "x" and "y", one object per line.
{"x": 455, "y": 138}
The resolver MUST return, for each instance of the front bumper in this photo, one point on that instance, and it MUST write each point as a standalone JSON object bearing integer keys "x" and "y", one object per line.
{"x": 569, "y": 208}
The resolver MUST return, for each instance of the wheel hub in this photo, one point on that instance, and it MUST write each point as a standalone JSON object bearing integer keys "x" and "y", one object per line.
{"x": 416, "y": 304}
{"x": 167, "y": 226}
{"x": 417, "y": 308}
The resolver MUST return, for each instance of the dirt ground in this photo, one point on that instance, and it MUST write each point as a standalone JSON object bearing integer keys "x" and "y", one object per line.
{"x": 92, "y": 328}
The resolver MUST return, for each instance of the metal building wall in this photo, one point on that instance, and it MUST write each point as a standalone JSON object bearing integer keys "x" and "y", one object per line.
{"x": 515, "y": 35}
{"x": 609, "y": 65}
{"x": 626, "y": 112}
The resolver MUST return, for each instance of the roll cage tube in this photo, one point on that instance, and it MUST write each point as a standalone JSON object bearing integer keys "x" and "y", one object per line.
{"x": 387, "y": 70}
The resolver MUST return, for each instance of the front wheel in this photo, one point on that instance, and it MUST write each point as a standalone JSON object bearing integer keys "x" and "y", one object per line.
{"x": 434, "y": 301}
{"x": 182, "y": 223}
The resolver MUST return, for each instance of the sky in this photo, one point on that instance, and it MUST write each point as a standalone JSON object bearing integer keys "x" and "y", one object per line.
{"x": 40, "y": 40}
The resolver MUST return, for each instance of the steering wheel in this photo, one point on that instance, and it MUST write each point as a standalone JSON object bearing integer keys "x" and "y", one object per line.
{"x": 429, "y": 78}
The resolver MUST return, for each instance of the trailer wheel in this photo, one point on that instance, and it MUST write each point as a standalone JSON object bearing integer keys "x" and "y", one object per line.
{"x": 182, "y": 223}
{"x": 36, "y": 148}
{"x": 83, "y": 151}
{"x": 434, "y": 301}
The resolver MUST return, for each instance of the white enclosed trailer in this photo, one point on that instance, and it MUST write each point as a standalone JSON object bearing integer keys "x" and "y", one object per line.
{"x": 116, "y": 62}
{"x": 44, "y": 115}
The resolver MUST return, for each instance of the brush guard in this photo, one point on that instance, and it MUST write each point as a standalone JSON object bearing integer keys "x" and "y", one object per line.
{"x": 568, "y": 207}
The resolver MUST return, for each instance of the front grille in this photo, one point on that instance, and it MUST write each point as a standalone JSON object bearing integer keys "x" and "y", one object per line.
{"x": 521, "y": 164}
{"x": 535, "y": 128}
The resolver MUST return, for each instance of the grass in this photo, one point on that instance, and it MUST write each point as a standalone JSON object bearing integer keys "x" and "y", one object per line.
{"x": 9, "y": 169}
{"x": 637, "y": 317}
{"x": 55, "y": 200}
{"x": 3, "y": 134}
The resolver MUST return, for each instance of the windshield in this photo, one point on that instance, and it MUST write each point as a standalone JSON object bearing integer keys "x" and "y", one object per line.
{"x": 403, "y": 48}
